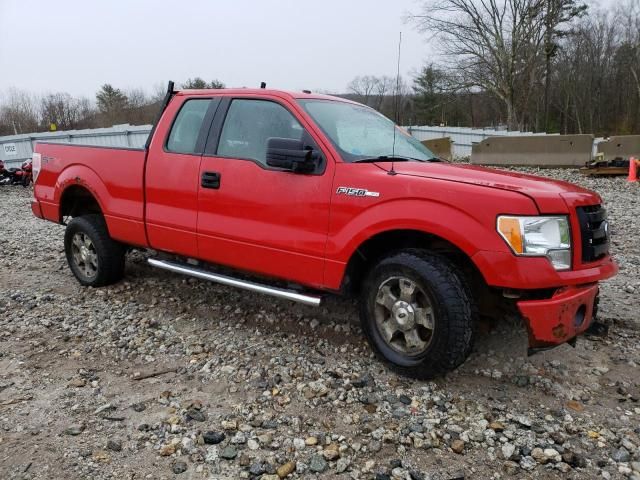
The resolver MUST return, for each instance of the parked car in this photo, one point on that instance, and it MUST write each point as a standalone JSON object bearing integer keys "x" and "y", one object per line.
{"x": 303, "y": 195}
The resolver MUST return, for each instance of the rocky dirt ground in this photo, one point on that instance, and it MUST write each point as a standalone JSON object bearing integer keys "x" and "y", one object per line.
{"x": 162, "y": 376}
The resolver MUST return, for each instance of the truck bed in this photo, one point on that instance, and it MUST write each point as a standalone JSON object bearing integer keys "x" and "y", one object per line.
{"x": 114, "y": 176}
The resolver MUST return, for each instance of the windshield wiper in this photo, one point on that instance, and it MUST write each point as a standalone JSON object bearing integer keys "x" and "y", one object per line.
{"x": 392, "y": 158}
{"x": 383, "y": 158}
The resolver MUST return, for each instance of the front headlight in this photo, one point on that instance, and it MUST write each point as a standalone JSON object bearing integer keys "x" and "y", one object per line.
{"x": 538, "y": 236}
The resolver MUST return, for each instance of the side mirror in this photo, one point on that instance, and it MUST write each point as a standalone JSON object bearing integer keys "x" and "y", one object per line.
{"x": 290, "y": 154}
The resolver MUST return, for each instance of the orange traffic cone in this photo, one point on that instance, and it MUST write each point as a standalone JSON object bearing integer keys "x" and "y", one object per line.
{"x": 633, "y": 170}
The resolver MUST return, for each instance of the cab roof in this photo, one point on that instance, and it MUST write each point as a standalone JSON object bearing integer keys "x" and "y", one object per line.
{"x": 262, "y": 91}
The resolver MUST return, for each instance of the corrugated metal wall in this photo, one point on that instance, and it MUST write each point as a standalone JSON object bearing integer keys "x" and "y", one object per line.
{"x": 15, "y": 149}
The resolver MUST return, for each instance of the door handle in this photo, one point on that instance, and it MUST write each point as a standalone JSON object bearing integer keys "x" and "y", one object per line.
{"x": 210, "y": 180}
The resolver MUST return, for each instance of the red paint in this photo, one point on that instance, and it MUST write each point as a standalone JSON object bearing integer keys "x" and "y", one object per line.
{"x": 552, "y": 321}
{"x": 503, "y": 269}
{"x": 35, "y": 208}
{"x": 295, "y": 227}
{"x": 172, "y": 184}
{"x": 265, "y": 221}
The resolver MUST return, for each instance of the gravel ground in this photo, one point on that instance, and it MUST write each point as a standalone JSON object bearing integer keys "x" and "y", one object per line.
{"x": 161, "y": 376}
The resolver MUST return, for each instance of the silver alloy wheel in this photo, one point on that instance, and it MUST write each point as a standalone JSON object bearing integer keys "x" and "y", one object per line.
{"x": 404, "y": 316}
{"x": 84, "y": 255}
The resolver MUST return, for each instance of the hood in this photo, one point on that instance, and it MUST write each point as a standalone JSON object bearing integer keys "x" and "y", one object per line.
{"x": 550, "y": 196}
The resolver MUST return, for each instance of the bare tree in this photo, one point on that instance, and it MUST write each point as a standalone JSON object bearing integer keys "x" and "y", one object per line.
{"x": 594, "y": 87}
{"x": 558, "y": 15}
{"x": 496, "y": 46}
{"x": 87, "y": 114}
{"x": 401, "y": 109}
{"x": 390, "y": 96}
{"x": 136, "y": 98}
{"x": 631, "y": 45}
{"x": 20, "y": 112}
{"x": 364, "y": 87}
{"x": 140, "y": 107}
{"x": 158, "y": 92}
{"x": 383, "y": 87}
{"x": 63, "y": 110}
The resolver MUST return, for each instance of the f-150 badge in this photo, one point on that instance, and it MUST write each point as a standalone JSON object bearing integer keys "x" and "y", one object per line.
{"x": 356, "y": 192}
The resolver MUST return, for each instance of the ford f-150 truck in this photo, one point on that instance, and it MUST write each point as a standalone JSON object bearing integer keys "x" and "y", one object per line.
{"x": 299, "y": 195}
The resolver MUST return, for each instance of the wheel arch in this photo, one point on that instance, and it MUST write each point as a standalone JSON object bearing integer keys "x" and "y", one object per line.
{"x": 77, "y": 200}
{"x": 384, "y": 243}
{"x": 77, "y": 184}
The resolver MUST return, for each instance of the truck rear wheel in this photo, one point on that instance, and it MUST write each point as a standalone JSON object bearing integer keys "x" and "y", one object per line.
{"x": 94, "y": 257}
{"x": 417, "y": 313}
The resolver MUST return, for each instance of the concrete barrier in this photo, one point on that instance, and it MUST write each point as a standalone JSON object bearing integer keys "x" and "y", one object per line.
{"x": 441, "y": 147}
{"x": 543, "y": 151}
{"x": 620, "y": 146}
{"x": 463, "y": 138}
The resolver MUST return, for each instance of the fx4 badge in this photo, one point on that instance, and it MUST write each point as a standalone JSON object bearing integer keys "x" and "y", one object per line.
{"x": 356, "y": 192}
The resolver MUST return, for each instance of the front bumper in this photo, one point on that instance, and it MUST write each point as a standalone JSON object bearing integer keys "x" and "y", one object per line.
{"x": 567, "y": 314}
{"x": 505, "y": 270}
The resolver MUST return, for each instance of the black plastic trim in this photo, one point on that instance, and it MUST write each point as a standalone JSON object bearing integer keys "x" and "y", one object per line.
{"x": 206, "y": 124}
{"x": 594, "y": 238}
{"x": 215, "y": 130}
{"x": 165, "y": 102}
{"x": 210, "y": 180}
{"x": 320, "y": 171}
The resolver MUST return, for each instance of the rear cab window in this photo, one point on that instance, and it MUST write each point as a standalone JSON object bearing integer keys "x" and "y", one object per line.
{"x": 187, "y": 126}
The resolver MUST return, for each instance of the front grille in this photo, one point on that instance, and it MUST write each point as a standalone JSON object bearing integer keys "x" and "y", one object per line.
{"x": 594, "y": 232}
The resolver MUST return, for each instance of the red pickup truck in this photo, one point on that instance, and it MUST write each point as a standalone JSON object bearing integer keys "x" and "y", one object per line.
{"x": 300, "y": 195}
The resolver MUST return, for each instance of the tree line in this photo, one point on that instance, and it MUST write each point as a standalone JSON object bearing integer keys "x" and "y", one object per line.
{"x": 22, "y": 112}
{"x": 539, "y": 65}
{"x": 542, "y": 65}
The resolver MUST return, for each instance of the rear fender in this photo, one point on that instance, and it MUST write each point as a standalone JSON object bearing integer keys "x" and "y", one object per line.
{"x": 122, "y": 226}
{"x": 80, "y": 175}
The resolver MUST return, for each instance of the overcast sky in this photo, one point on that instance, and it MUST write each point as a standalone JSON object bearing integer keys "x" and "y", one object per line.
{"x": 77, "y": 45}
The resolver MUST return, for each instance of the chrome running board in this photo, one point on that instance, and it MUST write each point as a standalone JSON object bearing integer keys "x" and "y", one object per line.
{"x": 314, "y": 301}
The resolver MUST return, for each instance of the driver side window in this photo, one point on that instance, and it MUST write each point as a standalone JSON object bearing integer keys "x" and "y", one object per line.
{"x": 250, "y": 123}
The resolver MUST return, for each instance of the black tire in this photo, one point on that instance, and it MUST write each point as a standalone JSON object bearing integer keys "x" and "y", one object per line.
{"x": 108, "y": 254}
{"x": 451, "y": 337}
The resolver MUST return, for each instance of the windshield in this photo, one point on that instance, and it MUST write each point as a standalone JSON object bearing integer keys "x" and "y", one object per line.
{"x": 360, "y": 132}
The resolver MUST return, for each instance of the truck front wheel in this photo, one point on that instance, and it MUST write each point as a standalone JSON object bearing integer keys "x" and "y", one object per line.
{"x": 94, "y": 257}
{"x": 417, "y": 313}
